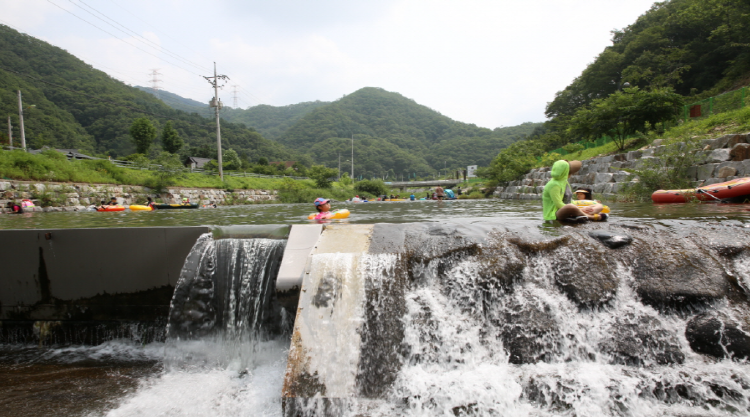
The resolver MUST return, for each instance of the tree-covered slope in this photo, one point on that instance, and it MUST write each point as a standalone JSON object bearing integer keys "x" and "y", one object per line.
{"x": 417, "y": 139}
{"x": 180, "y": 103}
{"x": 77, "y": 106}
{"x": 694, "y": 46}
{"x": 270, "y": 121}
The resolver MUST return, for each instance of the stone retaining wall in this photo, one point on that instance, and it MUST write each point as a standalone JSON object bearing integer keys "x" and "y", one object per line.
{"x": 721, "y": 159}
{"x": 75, "y": 197}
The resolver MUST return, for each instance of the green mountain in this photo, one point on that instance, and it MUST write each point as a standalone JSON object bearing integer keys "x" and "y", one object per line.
{"x": 394, "y": 135}
{"x": 270, "y": 121}
{"x": 77, "y": 106}
{"x": 180, "y": 103}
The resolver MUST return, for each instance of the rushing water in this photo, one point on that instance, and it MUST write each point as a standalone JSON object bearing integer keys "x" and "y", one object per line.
{"x": 441, "y": 338}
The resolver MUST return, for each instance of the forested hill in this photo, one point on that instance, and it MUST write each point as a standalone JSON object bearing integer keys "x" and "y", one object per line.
{"x": 270, "y": 121}
{"x": 698, "y": 47}
{"x": 180, "y": 103}
{"x": 77, "y": 106}
{"x": 393, "y": 134}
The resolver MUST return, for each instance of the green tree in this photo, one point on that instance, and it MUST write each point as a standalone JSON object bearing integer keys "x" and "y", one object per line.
{"x": 345, "y": 179}
{"x": 170, "y": 139}
{"x": 625, "y": 113}
{"x": 374, "y": 187}
{"x": 231, "y": 160}
{"x": 170, "y": 169}
{"x": 322, "y": 176}
{"x": 143, "y": 132}
{"x": 262, "y": 160}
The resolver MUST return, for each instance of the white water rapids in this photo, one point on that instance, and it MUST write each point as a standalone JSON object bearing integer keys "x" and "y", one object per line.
{"x": 453, "y": 358}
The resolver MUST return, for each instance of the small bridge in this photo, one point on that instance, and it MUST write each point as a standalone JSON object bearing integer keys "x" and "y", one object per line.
{"x": 423, "y": 184}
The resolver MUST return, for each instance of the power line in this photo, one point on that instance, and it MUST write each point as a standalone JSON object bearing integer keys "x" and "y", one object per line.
{"x": 102, "y": 100}
{"x": 115, "y": 36}
{"x": 249, "y": 94}
{"x": 147, "y": 41}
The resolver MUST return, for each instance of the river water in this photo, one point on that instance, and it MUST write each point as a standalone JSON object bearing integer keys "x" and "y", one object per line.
{"x": 526, "y": 213}
{"x": 461, "y": 376}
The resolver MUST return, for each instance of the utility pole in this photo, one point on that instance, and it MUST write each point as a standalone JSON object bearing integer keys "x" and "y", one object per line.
{"x": 339, "y": 166}
{"x": 214, "y": 81}
{"x": 10, "y": 133}
{"x": 20, "y": 117}
{"x": 234, "y": 95}
{"x": 155, "y": 82}
{"x": 352, "y": 156}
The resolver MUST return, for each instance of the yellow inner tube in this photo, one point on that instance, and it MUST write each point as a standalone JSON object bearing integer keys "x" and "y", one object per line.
{"x": 337, "y": 214}
{"x": 137, "y": 207}
{"x": 584, "y": 203}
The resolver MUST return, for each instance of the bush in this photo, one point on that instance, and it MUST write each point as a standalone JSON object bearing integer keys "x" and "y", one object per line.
{"x": 372, "y": 187}
{"x": 322, "y": 175}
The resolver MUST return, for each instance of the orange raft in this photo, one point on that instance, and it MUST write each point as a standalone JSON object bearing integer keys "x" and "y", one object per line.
{"x": 730, "y": 190}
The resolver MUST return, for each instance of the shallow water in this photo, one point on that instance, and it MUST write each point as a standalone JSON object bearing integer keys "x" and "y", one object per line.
{"x": 516, "y": 212}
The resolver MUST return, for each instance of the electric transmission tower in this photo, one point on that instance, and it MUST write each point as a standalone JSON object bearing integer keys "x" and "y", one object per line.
{"x": 155, "y": 82}
{"x": 216, "y": 103}
{"x": 234, "y": 95}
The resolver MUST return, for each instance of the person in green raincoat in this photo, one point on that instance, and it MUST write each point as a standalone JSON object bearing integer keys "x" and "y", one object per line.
{"x": 555, "y": 203}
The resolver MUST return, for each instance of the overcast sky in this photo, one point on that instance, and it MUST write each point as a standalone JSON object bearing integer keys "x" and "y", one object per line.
{"x": 491, "y": 63}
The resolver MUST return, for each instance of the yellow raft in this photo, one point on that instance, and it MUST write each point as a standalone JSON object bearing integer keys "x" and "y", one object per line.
{"x": 584, "y": 203}
{"x": 137, "y": 207}
{"x": 337, "y": 214}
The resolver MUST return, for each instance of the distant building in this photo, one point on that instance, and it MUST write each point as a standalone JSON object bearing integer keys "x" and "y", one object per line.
{"x": 196, "y": 162}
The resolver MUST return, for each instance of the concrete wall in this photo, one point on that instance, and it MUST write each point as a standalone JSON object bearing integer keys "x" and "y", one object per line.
{"x": 91, "y": 274}
{"x": 75, "y": 197}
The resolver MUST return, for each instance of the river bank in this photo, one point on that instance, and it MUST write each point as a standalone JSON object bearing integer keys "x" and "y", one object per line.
{"x": 717, "y": 160}
{"x": 52, "y": 196}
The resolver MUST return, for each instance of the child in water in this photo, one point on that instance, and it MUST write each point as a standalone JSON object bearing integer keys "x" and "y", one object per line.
{"x": 323, "y": 206}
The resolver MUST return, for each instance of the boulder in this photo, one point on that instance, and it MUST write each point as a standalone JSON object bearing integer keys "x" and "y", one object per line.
{"x": 673, "y": 273}
{"x": 611, "y": 239}
{"x": 634, "y": 155}
{"x": 582, "y": 270}
{"x": 529, "y": 331}
{"x": 705, "y": 171}
{"x": 718, "y": 155}
{"x": 735, "y": 139}
{"x": 603, "y": 177}
{"x": 738, "y": 166}
{"x": 726, "y": 172}
{"x": 721, "y": 335}
{"x": 640, "y": 340}
{"x": 740, "y": 152}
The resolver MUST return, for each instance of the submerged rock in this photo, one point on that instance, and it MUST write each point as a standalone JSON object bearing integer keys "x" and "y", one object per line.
{"x": 610, "y": 239}
{"x": 677, "y": 273}
{"x": 721, "y": 335}
{"x": 530, "y": 332}
{"x": 641, "y": 340}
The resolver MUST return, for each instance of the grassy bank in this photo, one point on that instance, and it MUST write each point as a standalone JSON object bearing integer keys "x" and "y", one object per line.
{"x": 51, "y": 166}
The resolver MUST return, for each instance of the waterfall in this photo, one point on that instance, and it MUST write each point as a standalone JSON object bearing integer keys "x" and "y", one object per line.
{"x": 227, "y": 287}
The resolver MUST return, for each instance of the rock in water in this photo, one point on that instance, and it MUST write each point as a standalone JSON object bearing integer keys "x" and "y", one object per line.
{"x": 612, "y": 240}
{"x": 720, "y": 335}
